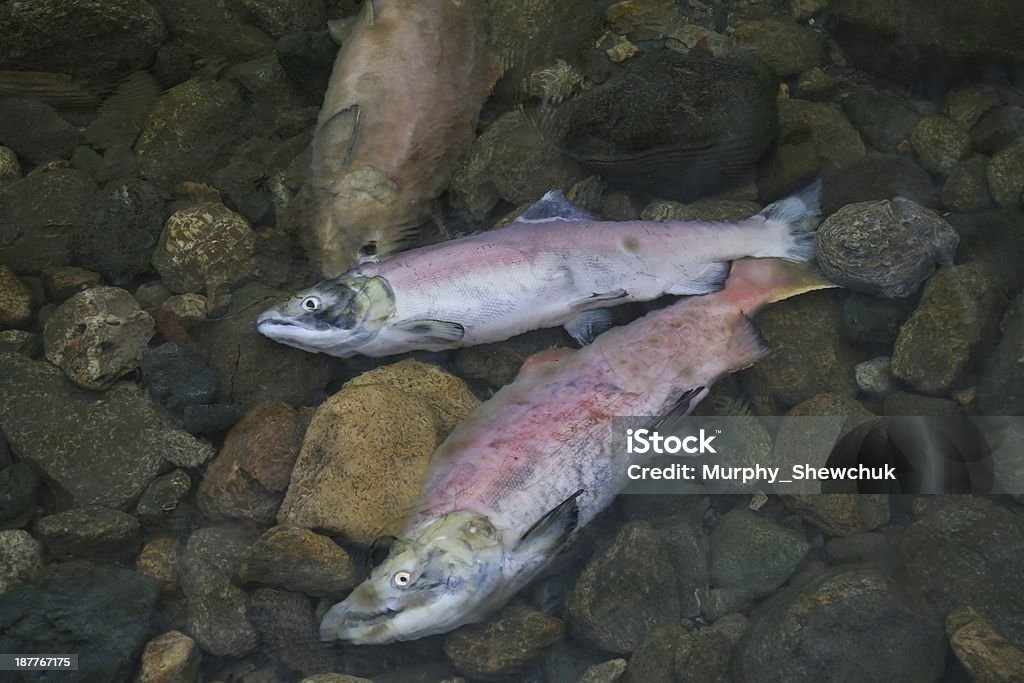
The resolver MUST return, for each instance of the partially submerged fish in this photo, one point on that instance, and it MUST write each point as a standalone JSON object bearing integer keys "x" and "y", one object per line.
{"x": 516, "y": 478}
{"x": 554, "y": 265}
{"x": 400, "y": 109}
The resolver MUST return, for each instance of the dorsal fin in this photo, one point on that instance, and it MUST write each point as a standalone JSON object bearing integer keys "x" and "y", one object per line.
{"x": 554, "y": 206}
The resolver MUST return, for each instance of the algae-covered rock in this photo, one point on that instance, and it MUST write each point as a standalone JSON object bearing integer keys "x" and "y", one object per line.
{"x": 940, "y": 143}
{"x": 1006, "y": 176}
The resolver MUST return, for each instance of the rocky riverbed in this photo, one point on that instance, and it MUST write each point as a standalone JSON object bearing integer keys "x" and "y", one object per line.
{"x": 181, "y": 499}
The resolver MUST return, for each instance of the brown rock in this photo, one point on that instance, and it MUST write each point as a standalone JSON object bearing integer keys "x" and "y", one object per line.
{"x": 159, "y": 561}
{"x": 15, "y": 300}
{"x": 63, "y": 282}
{"x": 447, "y": 394}
{"x": 170, "y": 658}
{"x": 362, "y": 463}
{"x": 248, "y": 477}
{"x": 841, "y": 514}
{"x": 986, "y": 655}
{"x": 504, "y": 644}
{"x": 299, "y": 560}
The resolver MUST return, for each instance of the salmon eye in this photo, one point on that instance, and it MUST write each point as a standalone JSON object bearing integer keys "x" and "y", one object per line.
{"x": 401, "y": 579}
{"x": 310, "y": 303}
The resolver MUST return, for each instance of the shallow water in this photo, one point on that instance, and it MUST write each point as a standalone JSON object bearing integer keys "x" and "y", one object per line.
{"x": 182, "y": 499}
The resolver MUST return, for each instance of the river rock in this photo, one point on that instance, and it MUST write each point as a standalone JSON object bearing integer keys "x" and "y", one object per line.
{"x": 99, "y": 43}
{"x": 706, "y": 656}
{"x": 34, "y": 129}
{"x": 878, "y": 176}
{"x": 1001, "y": 385}
{"x": 121, "y": 231}
{"x": 216, "y": 606}
{"x": 498, "y": 364}
{"x": 162, "y": 497}
{"x": 299, "y": 560}
{"x": 968, "y": 103}
{"x": 992, "y": 238}
{"x": 940, "y": 143}
{"x": 885, "y": 636}
{"x": 205, "y": 247}
{"x": 958, "y": 312}
{"x": 503, "y": 645}
{"x": 159, "y": 561}
{"x": 18, "y": 483}
{"x": 448, "y": 395}
{"x": 904, "y": 403}
{"x": 966, "y": 189}
{"x": 41, "y": 213}
{"x": 605, "y": 672}
{"x": 217, "y": 31}
{"x": 10, "y": 169}
{"x": 1006, "y": 176}
{"x": 307, "y": 57}
{"x": 616, "y": 600}
{"x": 787, "y": 47}
{"x": 251, "y": 368}
{"x": 966, "y": 550}
{"x": 884, "y": 120}
{"x": 190, "y": 132}
{"x": 998, "y": 129}
{"x": 63, "y": 282}
{"x": 917, "y": 40}
{"x": 874, "y": 377}
{"x": 809, "y": 355}
{"x": 103, "y": 449}
{"x": 288, "y": 631}
{"x": 57, "y": 612}
{"x": 509, "y": 161}
{"x": 89, "y": 532}
{"x": 15, "y": 300}
{"x": 885, "y": 248}
{"x": 841, "y": 514}
{"x": 362, "y": 463}
{"x": 97, "y": 336}
{"x": 177, "y": 377}
{"x": 171, "y": 657}
{"x": 248, "y": 477}
{"x": 983, "y": 651}
{"x": 20, "y": 556}
{"x": 654, "y": 659}
{"x": 754, "y": 553}
{"x": 279, "y": 18}
{"x": 663, "y": 119}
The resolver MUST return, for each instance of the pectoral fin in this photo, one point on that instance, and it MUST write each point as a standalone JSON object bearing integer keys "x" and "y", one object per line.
{"x": 683, "y": 407}
{"x": 432, "y": 331}
{"x": 336, "y": 140}
{"x": 553, "y": 529}
{"x": 585, "y": 327}
{"x": 588, "y": 302}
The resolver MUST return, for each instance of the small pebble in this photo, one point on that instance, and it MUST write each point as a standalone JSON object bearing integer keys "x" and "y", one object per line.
{"x": 20, "y": 555}
{"x": 15, "y": 300}
{"x": 874, "y": 377}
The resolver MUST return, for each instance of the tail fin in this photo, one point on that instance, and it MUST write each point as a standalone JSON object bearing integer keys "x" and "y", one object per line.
{"x": 753, "y": 283}
{"x": 796, "y": 216}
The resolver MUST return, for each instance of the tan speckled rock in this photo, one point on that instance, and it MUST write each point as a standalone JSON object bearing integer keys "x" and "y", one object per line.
{"x": 97, "y": 336}
{"x": 190, "y": 308}
{"x": 986, "y": 654}
{"x": 15, "y": 300}
{"x": 504, "y": 644}
{"x": 170, "y": 658}
{"x": 159, "y": 561}
{"x": 298, "y": 560}
{"x": 62, "y": 282}
{"x": 203, "y": 248}
{"x": 10, "y": 169}
{"x": 362, "y": 463}
{"x": 447, "y": 394}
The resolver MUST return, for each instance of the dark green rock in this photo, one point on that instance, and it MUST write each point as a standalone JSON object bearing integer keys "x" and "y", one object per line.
{"x": 754, "y": 553}
{"x": 966, "y": 189}
{"x": 307, "y": 58}
{"x": 40, "y": 215}
{"x": 870, "y": 320}
{"x": 940, "y": 143}
{"x": 213, "y": 30}
{"x": 121, "y": 231}
{"x": 34, "y": 130}
{"x": 1001, "y": 385}
{"x": 89, "y": 532}
{"x": 706, "y": 656}
{"x": 995, "y": 239}
{"x": 288, "y": 631}
{"x": 848, "y": 625}
{"x": 618, "y": 599}
{"x": 162, "y": 497}
{"x": 877, "y": 177}
{"x": 102, "y": 614}
{"x": 213, "y": 418}
{"x": 654, "y": 660}
{"x": 17, "y": 490}
{"x": 278, "y": 17}
{"x": 884, "y": 120}
{"x": 965, "y": 549}
{"x": 998, "y": 129}
{"x": 177, "y": 377}
{"x": 957, "y": 315}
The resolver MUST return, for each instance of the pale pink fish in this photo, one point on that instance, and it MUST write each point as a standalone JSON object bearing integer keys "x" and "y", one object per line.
{"x": 554, "y": 265}
{"x": 526, "y": 469}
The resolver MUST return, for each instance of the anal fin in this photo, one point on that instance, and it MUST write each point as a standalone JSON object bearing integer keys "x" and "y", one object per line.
{"x": 585, "y": 327}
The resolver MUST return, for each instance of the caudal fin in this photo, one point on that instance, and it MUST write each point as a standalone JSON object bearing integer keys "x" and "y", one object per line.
{"x": 795, "y": 217}
{"x": 753, "y": 283}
